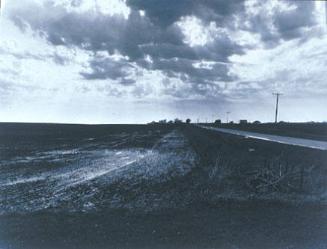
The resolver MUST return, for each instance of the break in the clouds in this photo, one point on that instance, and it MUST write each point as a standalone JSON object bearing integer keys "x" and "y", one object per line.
{"x": 117, "y": 61}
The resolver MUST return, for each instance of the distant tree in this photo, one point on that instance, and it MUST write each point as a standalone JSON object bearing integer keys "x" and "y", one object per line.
{"x": 178, "y": 121}
{"x": 170, "y": 122}
{"x": 257, "y": 122}
{"x": 188, "y": 121}
{"x": 163, "y": 121}
{"x": 217, "y": 121}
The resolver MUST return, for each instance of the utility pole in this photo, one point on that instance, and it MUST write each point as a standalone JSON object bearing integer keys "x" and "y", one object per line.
{"x": 277, "y": 102}
{"x": 227, "y": 114}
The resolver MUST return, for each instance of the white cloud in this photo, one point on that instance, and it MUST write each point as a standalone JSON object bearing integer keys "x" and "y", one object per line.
{"x": 291, "y": 67}
{"x": 105, "y": 7}
{"x": 204, "y": 64}
{"x": 98, "y": 7}
{"x": 196, "y": 33}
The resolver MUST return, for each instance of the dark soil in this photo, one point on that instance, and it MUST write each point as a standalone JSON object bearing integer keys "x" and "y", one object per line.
{"x": 240, "y": 225}
{"x": 242, "y": 193}
{"x": 315, "y": 131}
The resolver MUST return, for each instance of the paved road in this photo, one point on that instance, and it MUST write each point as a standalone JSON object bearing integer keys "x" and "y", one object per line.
{"x": 309, "y": 143}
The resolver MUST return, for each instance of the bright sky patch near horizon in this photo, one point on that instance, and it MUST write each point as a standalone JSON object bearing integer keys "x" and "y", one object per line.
{"x": 134, "y": 61}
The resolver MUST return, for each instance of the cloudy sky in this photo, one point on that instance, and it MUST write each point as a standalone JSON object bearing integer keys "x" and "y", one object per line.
{"x": 134, "y": 61}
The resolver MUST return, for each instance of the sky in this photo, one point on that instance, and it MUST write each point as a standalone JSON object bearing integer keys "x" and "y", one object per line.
{"x": 134, "y": 61}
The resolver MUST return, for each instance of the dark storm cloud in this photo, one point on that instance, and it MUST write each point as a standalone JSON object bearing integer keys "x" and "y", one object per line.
{"x": 103, "y": 68}
{"x": 133, "y": 37}
{"x": 289, "y": 24}
{"x": 99, "y": 32}
{"x": 157, "y": 35}
{"x": 165, "y": 13}
{"x": 286, "y": 25}
{"x": 59, "y": 59}
{"x": 185, "y": 68}
{"x": 63, "y": 28}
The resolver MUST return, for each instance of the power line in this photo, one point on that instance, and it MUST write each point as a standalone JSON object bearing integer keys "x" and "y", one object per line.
{"x": 277, "y": 102}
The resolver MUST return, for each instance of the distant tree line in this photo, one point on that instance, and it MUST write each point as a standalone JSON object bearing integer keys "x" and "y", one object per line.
{"x": 175, "y": 121}
{"x": 216, "y": 122}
